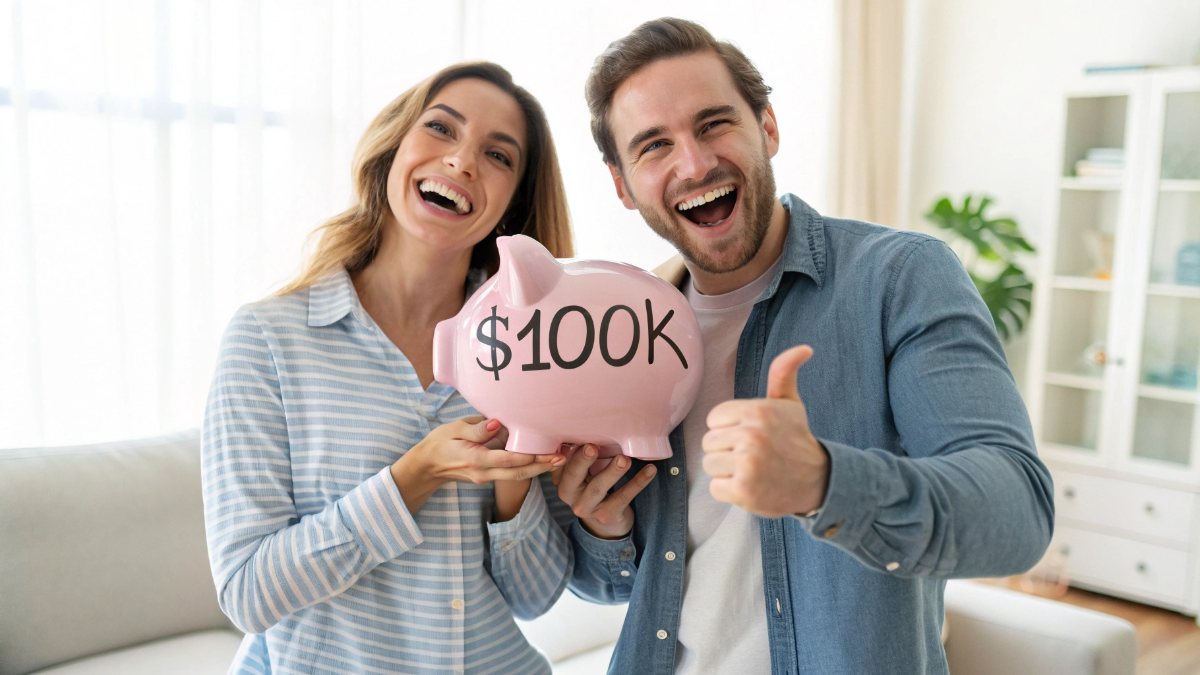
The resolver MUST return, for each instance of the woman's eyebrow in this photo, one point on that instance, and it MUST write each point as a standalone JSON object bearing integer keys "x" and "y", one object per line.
{"x": 495, "y": 135}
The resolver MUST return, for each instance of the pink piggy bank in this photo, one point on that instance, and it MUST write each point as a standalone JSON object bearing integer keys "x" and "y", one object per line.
{"x": 582, "y": 352}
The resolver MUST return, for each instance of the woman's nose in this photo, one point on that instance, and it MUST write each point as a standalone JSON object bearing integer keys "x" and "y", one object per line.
{"x": 461, "y": 161}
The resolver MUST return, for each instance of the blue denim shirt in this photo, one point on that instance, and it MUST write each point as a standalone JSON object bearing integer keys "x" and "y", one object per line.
{"x": 933, "y": 470}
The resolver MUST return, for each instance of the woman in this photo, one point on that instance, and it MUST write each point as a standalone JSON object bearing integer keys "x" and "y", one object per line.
{"x": 358, "y": 520}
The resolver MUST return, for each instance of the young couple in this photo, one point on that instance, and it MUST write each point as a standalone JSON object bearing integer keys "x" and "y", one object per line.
{"x": 362, "y": 519}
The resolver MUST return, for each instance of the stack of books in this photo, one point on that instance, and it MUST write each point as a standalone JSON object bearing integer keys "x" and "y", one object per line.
{"x": 1101, "y": 163}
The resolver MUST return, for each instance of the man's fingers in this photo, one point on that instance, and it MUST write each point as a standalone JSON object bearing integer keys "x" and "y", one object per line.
{"x": 623, "y": 496}
{"x": 721, "y": 439}
{"x": 781, "y": 378}
{"x": 719, "y": 464}
{"x": 573, "y": 475}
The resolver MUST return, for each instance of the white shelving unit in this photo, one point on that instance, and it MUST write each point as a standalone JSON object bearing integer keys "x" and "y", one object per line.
{"x": 1115, "y": 347}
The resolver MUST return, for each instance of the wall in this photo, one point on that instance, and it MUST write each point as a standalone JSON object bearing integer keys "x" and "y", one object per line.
{"x": 987, "y": 79}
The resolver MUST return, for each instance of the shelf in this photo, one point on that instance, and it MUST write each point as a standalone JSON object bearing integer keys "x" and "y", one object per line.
{"x": 1176, "y": 185}
{"x": 1088, "y": 382}
{"x": 1172, "y": 394}
{"x": 1175, "y": 291}
{"x": 1081, "y": 283}
{"x": 1101, "y": 184}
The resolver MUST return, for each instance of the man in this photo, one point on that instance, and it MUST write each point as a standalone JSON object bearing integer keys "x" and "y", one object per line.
{"x": 812, "y": 510}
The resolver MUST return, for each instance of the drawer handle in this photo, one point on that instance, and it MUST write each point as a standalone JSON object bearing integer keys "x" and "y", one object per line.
{"x": 1069, "y": 492}
{"x": 1142, "y": 567}
{"x": 1149, "y": 508}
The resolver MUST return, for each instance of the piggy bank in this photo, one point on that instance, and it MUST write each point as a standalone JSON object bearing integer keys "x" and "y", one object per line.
{"x": 578, "y": 352}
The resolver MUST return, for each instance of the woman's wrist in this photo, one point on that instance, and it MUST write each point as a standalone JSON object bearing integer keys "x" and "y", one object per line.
{"x": 415, "y": 477}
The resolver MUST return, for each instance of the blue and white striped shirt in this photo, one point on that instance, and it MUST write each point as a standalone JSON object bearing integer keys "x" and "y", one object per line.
{"x": 313, "y": 551}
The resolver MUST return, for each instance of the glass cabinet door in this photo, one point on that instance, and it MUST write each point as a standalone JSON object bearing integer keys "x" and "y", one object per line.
{"x": 1090, "y": 202}
{"x": 1165, "y": 427}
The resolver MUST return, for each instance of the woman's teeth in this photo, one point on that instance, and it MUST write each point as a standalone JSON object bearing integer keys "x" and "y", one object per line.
{"x": 461, "y": 205}
{"x": 704, "y": 198}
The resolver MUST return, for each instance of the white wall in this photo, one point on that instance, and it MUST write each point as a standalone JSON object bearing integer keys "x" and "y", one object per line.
{"x": 988, "y": 79}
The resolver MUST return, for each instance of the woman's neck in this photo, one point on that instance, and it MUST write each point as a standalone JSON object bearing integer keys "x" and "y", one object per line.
{"x": 406, "y": 285}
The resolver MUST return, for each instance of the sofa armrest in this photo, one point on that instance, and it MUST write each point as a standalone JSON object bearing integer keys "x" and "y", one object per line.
{"x": 994, "y": 631}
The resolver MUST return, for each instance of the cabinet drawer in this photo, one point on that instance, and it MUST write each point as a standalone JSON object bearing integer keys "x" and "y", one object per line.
{"x": 1142, "y": 510}
{"x": 1123, "y": 565}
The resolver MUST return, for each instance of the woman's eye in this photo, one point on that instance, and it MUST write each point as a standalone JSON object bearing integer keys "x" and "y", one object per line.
{"x": 500, "y": 157}
{"x": 438, "y": 127}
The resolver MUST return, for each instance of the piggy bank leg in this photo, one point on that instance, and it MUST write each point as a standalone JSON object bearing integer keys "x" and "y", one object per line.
{"x": 647, "y": 448}
{"x": 530, "y": 442}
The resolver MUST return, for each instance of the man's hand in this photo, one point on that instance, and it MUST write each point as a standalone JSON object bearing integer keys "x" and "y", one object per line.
{"x": 605, "y": 515}
{"x": 761, "y": 454}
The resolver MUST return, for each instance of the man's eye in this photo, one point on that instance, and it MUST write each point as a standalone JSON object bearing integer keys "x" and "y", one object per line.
{"x": 651, "y": 147}
{"x": 500, "y": 157}
{"x": 713, "y": 124}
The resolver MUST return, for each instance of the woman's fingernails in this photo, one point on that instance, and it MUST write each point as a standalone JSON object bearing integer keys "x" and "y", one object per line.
{"x": 492, "y": 425}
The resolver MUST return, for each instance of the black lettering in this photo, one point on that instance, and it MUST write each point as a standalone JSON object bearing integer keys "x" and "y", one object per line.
{"x": 534, "y": 326}
{"x": 633, "y": 345}
{"x": 656, "y": 332}
{"x": 587, "y": 340}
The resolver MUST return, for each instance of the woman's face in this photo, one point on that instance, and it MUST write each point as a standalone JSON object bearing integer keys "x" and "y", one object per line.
{"x": 456, "y": 170}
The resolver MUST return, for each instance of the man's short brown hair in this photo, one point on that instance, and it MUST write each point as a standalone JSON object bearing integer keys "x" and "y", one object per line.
{"x": 649, "y": 42}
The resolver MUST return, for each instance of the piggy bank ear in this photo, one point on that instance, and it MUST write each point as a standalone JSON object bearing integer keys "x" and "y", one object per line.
{"x": 527, "y": 270}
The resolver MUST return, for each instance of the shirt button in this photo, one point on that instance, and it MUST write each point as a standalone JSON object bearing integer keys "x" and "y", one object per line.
{"x": 674, "y": 471}
{"x": 670, "y": 555}
{"x": 456, "y": 603}
{"x": 662, "y": 634}
{"x": 892, "y": 566}
{"x": 831, "y": 531}
{"x": 624, "y": 573}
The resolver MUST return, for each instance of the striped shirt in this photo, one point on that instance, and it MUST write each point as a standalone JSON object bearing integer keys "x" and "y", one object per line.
{"x": 313, "y": 551}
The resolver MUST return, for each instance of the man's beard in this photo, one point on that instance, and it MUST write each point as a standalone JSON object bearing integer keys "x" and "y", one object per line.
{"x": 738, "y": 249}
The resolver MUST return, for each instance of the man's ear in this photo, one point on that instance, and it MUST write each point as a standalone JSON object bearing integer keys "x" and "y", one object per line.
{"x": 619, "y": 184}
{"x": 770, "y": 128}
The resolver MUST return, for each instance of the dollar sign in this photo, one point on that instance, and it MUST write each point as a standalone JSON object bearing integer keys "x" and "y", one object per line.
{"x": 495, "y": 343}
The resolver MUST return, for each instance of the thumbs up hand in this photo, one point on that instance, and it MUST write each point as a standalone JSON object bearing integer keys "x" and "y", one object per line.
{"x": 760, "y": 453}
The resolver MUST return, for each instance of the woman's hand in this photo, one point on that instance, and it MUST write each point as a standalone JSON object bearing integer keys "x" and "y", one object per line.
{"x": 458, "y": 451}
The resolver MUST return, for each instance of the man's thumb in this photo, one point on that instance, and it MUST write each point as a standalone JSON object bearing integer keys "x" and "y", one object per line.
{"x": 781, "y": 378}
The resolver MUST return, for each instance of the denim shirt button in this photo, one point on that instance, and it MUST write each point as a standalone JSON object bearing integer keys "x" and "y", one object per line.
{"x": 674, "y": 471}
{"x": 831, "y": 531}
{"x": 624, "y": 573}
{"x": 662, "y": 634}
{"x": 892, "y": 566}
{"x": 670, "y": 555}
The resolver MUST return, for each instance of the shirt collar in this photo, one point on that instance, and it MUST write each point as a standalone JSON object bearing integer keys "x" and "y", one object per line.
{"x": 331, "y": 299}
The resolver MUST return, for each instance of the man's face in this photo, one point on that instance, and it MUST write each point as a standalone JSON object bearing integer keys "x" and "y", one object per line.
{"x": 694, "y": 160}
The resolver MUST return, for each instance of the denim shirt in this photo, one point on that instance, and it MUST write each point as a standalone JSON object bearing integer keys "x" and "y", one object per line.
{"x": 933, "y": 471}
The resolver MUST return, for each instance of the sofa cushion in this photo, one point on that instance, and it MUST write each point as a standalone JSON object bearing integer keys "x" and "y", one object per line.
{"x": 103, "y": 548}
{"x": 207, "y": 652}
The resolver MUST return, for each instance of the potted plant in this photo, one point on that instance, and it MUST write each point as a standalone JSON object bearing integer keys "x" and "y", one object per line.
{"x": 992, "y": 248}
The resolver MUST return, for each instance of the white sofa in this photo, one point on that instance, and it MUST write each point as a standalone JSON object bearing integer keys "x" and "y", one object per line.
{"x": 103, "y": 569}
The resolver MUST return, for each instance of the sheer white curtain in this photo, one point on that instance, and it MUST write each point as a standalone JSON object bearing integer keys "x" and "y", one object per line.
{"x": 161, "y": 162}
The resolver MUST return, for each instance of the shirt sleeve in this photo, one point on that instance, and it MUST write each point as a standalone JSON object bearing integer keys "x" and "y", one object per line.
{"x": 970, "y": 497}
{"x": 267, "y": 562}
{"x": 604, "y": 569}
{"x": 531, "y": 558}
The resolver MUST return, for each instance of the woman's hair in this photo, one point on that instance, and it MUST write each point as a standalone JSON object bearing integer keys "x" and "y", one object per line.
{"x": 538, "y": 207}
{"x": 660, "y": 39}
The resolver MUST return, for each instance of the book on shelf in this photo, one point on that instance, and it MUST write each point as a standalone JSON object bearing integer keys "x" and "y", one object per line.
{"x": 1103, "y": 68}
{"x": 1088, "y": 169}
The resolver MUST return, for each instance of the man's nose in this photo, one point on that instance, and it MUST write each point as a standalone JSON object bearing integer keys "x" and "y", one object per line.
{"x": 694, "y": 160}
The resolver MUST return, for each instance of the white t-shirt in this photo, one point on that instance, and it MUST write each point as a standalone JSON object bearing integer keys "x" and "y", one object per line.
{"x": 723, "y": 626}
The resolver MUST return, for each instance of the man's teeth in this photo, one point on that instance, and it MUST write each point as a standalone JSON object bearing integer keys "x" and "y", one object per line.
{"x": 705, "y": 198}
{"x": 460, "y": 202}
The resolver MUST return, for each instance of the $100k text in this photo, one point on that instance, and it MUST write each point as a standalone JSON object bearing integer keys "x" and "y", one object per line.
{"x": 488, "y": 334}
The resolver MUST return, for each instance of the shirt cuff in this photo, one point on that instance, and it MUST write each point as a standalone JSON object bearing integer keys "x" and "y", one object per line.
{"x": 376, "y": 515}
{"x": 609, "y": 550}
{"x": 532, "y": 512}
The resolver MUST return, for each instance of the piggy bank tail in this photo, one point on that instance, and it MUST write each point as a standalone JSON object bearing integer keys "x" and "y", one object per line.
{"x": 443, "y": 353}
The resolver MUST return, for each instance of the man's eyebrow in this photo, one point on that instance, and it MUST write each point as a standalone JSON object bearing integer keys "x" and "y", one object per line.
{"x": 643, "y": 136}
{"x": 495, "y": 135}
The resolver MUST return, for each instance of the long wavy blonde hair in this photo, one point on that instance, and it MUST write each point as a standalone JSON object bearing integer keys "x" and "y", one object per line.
{"x": 538, "y": 207}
